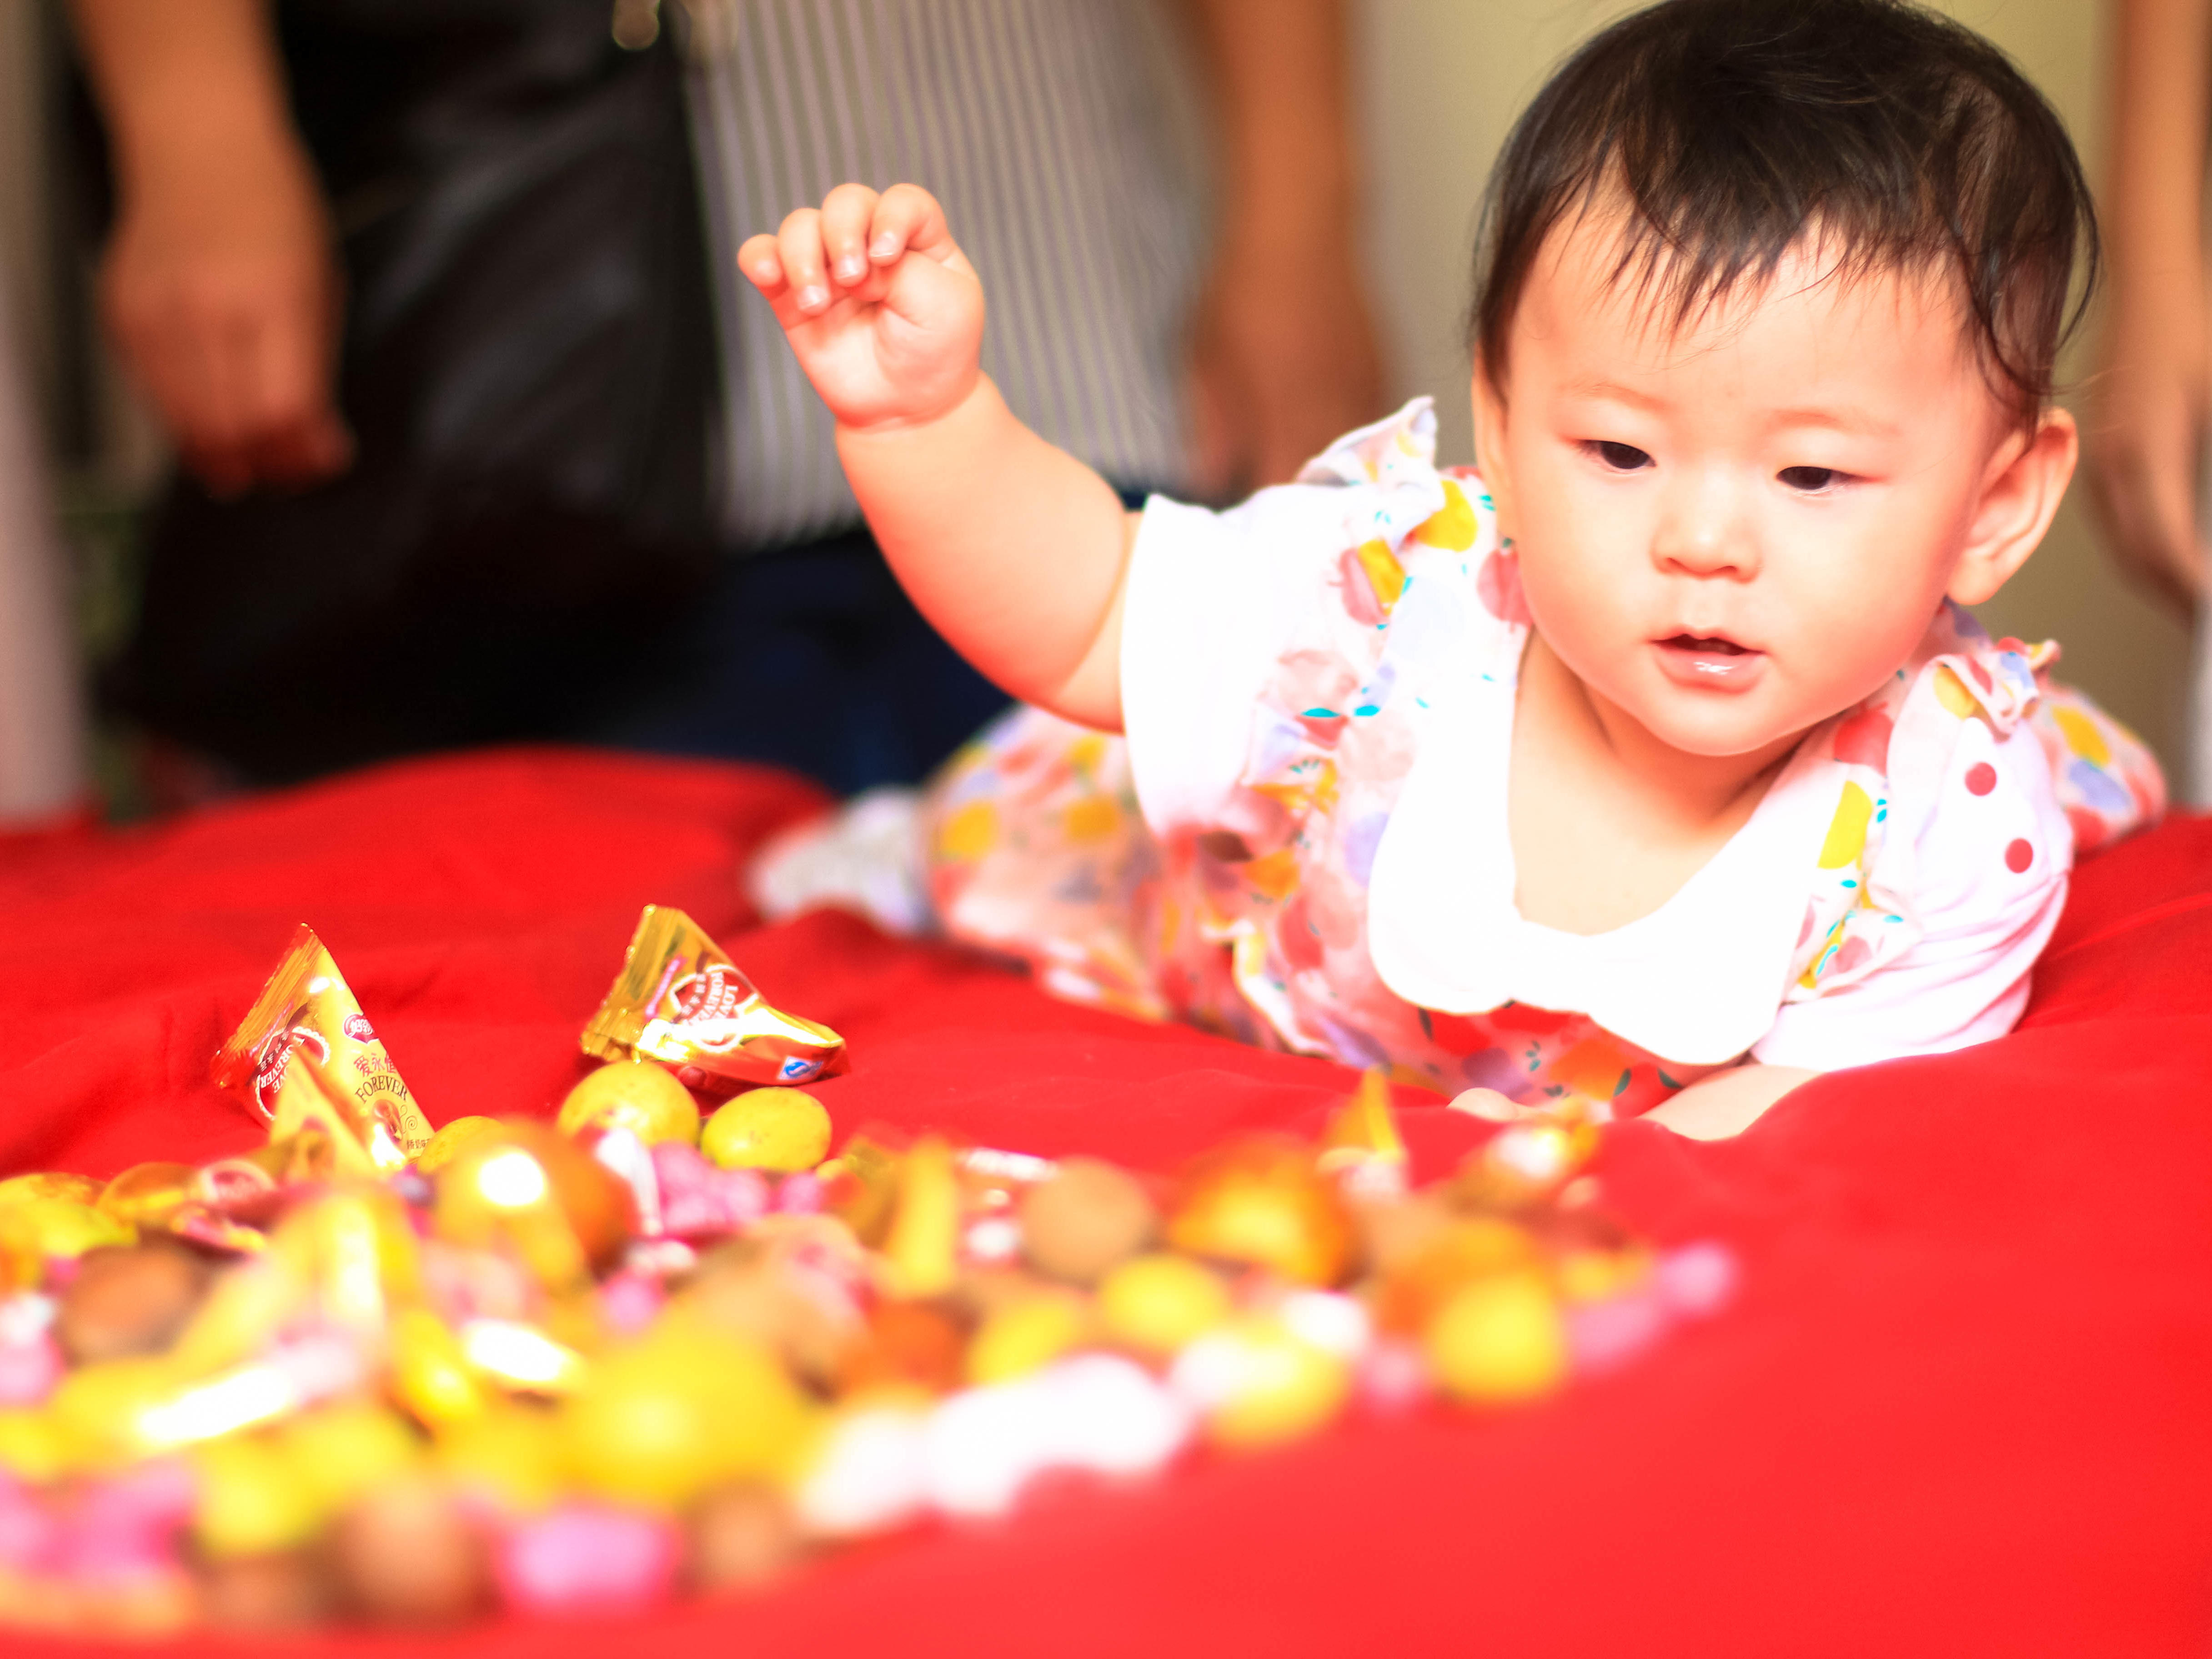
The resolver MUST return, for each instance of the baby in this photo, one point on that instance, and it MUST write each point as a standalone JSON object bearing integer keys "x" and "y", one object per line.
{"x": 1661, "y": 763}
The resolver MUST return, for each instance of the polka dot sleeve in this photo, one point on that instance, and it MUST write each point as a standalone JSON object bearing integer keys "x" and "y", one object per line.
{"x": 1951, "y": 862}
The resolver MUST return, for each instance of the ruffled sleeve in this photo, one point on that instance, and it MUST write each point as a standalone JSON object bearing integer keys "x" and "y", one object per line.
{"x": 1242, "y": 628}
{"x": 1944, "y": 870}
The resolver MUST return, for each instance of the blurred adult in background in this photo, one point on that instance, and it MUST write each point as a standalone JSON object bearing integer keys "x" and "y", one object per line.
{"x": 420, "y": 290}
{"x": 43, "y": 782}
{"x": 2147, "y": 436}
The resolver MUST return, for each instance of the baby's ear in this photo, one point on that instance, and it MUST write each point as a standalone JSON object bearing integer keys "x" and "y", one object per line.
{"x": 2027, "y": 479}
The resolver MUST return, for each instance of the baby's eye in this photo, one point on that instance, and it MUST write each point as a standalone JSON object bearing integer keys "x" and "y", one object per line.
{"x": 1810, "y": 480}
{"x": 1622, "y": 457}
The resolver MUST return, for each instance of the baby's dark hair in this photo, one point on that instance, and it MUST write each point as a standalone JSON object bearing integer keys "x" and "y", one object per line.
{"x": 1731, "y": 129}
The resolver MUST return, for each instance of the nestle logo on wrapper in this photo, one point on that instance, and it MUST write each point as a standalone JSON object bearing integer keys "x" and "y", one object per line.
{"x": 357, "y": 1027}
{"x": 275, "y": 1054}
{"x": 796, "y": 1070}
{"x": 714, "y": 993}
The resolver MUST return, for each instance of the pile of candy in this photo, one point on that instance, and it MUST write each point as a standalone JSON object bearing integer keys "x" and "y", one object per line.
{"x": 370, "y": 1372}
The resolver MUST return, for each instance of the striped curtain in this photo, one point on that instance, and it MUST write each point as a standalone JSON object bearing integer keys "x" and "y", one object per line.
{"x": 1047, "y": 127}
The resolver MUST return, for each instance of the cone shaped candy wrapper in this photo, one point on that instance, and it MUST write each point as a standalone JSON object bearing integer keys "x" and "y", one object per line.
{"x": 305, "y": 1057}
{"x": 679, "y": 1000}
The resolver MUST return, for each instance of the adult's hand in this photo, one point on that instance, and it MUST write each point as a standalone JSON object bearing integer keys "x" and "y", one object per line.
{"x": 1283, "y": 350}
{"x": 1283, "y": 359}
{"x": 219, "y": 285}
{"x": 2146, "y": 440}
{"x": 2147, "y": 430}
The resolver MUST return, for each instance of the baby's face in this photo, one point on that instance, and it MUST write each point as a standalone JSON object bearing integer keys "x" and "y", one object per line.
{"x": 1734, "y": 529}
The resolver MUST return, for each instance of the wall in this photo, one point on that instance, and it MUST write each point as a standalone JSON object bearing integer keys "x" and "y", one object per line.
{"x": 25, "y": 273}
{"x": 1441, "y": 82}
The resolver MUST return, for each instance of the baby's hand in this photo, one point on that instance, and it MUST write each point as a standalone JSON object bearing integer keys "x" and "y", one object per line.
{"x": 883, "y": 309}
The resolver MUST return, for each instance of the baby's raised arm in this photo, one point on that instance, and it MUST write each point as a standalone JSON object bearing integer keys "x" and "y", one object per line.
{"x": 1013, "y": 548}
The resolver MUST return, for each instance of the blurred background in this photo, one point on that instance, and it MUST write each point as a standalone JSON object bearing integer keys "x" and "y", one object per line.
{"x": 1435, "y": 85}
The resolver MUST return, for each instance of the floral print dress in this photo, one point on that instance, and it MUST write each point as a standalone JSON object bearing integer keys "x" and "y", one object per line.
{"x": 1302, "y": 841}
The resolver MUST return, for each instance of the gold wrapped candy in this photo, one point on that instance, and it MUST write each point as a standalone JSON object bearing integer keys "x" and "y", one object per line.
{"x": 383, "y": 1375}
{"x": 679, "y": 1000}
{"x": 305, "y": 1057}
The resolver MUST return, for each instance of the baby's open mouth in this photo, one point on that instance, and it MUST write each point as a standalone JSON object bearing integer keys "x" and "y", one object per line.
{"x": 1704, "y": 645}
{"x": 1710, "y": 661}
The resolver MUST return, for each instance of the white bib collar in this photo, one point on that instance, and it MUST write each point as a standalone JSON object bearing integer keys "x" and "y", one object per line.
{"x": 1698, "y": 980}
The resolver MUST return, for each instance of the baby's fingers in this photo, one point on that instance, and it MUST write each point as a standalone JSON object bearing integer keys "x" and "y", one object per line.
{"x": 762, "y": 266}
{"x": 846, "y": 212}
{"x": 908, "y": 216}
{"x": 806, "y": 262}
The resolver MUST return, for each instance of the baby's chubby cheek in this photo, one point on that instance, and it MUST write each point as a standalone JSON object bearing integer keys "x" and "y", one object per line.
{"x": 1815, "y": 661}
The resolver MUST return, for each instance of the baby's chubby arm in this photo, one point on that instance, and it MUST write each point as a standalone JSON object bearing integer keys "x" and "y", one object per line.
{"x": 1727, "y": 1102}
{"x": 1012, "y": 549}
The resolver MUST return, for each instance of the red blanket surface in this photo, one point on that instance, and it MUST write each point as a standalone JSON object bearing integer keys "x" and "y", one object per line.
{"x": 1964, "y": 1404}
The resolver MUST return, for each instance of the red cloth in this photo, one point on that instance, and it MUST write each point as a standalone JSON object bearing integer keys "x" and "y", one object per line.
{"x": 1964, "y": 1404}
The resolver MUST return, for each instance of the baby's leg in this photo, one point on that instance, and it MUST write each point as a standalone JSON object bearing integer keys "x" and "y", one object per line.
{"x": 1028, "y": 843}
{"x": 867, "y": 857}
{"x": 1036, "y": 850}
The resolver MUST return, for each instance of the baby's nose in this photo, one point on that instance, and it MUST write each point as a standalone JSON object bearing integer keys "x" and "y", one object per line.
{"x": 1703, "y": 531}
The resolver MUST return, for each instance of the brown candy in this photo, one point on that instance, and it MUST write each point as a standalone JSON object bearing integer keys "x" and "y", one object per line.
{"x": 1087, "y": 1218}
{"x": 405, "y": 1553}
{"x": 742, "y": 1291}
{"x": 282, "y": 1590}
{"x": 743, "y": 1537}
{"x": 1391, "y": 1232}
{"x": 128, "y": 1299}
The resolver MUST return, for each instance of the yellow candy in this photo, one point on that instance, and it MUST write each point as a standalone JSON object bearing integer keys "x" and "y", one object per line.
{"x": 1455, "y": 1254}
{"x": 1526, "y": 1162}
{"x": 1262, "y": 1202}
{"x": 251, "y": 1500}
{"x": 145, "y": 1193}
{"x": 243, "y": 1308}
{"x": 1269, "y": 1385}
{"x": 83, "y": 1189}
{"x": 447, "y": 1144}
{"x": 126, "y": 1408}
{"x": 1593, "y": 1275}
{"x": 522, "y": 1357}
{"x": 430, "y": 1374}
{"x": 778, "y": 1129}
{"x": 685, "y": 1409}
{"x": 636, "y": 1095}
{"x": 33, "y": 1447}
{"x": 35, "y": 1229}
{"x": 920, "y": 1246}
{"x": 1362, "y": 1139}
{"x": 1156, "y": 1303}
{"x": 1498, "y": 1340}
{"x": 511, "y": 1454}
{"x": 539, "y": 1191}
{"x": 341, "y": 1451}
{"x": 1024, "y": 1336}
{"x": 98, "y": 1409}
{"x": 862, "y": 1182}
{"x": 356, "y": 1250}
